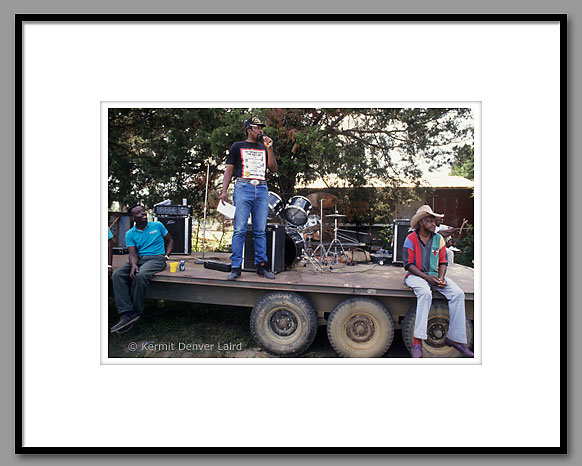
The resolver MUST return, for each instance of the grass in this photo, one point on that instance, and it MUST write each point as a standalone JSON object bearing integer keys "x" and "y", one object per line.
{"x": 211, "y": 331}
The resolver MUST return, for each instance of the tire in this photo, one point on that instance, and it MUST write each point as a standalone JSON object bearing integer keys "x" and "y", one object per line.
{"x": 438, "y": 325}
{"x": 360, "y": 328}
{"x": 283, "y": 324}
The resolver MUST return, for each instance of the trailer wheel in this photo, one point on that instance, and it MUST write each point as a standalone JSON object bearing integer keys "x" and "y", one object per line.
{"x": 438, "y": 325}
{"x": 360, "y": 328}
{"x": 284, "y": 324}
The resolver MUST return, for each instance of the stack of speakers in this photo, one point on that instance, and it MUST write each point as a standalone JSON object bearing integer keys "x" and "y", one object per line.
{"x": 178, "y": 221}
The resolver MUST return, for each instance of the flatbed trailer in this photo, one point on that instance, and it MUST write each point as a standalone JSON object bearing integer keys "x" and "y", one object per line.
{"x": 362, "y": 304}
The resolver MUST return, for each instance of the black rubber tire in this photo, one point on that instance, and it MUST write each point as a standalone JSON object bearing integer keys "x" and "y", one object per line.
{"x": 367, "y": 317}
{"x": 283, "y": 309}
{"x": 438, "y": 317}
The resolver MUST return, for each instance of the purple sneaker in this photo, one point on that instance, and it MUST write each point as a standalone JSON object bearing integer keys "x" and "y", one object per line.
{"x": 416, "y": 351}
{"x": 460, "y": 347}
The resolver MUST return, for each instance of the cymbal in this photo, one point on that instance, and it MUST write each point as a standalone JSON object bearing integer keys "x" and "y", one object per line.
{"x": 336, "y": 215}
{"x": 329, "y": 200}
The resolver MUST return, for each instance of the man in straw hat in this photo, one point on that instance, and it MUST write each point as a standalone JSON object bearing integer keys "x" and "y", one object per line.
{"x": 425, "y": 260}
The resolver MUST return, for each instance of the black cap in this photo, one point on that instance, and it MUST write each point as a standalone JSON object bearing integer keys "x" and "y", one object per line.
{"x": 254, "y": 121}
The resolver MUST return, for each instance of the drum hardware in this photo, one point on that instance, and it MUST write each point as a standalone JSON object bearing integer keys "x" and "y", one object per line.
{"x": 320, "y": 247}
{"x": 297, "y": 211}
{"x": 335, "y": 242}
{"x": 325, "y": 200}
{"x": 275, "y": 205}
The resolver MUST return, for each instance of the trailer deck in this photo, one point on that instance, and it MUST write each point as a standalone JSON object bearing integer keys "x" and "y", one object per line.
{"x": 324, "y": 288}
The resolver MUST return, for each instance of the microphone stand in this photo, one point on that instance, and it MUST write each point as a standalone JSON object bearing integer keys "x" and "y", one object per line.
{"x": 204, "y": 225}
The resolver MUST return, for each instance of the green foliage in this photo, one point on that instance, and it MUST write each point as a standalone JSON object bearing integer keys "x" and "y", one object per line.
{"x": 386, "y": 234}
{"x": 162, "y": 153}
{"x": 466, "y": 244}
{"x": 464, "y": 162}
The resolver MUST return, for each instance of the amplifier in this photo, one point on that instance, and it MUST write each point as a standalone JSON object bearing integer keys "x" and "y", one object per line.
{"x": 180, "y": 228}
{"x": 173, "y": 210}
{"x": 275, "y": 249}
{"x": 401, "y": 227}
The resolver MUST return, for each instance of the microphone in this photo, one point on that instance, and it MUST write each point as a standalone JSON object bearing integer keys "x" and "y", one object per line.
{"x": 260, "y": 137}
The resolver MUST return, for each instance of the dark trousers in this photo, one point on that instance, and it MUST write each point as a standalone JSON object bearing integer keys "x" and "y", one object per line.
{"x": 130, "y": 294}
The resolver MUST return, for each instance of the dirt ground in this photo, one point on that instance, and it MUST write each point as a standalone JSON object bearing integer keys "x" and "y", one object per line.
{"x": 182, "y": 330}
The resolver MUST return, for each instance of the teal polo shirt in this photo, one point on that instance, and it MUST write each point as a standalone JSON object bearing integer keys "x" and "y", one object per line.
{"x": 150, "y": 241}
{"x": 109, "y": 234}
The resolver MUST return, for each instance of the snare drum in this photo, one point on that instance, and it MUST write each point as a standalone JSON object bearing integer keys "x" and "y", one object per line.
{"x": 297, "y": 210}
{"x": 294, "y": 246}
{"x": 275, "y": 205}
{"x": 313, "y": 222}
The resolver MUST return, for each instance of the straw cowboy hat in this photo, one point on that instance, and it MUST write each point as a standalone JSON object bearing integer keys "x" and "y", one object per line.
{"x": 423, "y": 211}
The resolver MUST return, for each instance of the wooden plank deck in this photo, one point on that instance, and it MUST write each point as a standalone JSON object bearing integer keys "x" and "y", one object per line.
{"x": 370, "y": 278}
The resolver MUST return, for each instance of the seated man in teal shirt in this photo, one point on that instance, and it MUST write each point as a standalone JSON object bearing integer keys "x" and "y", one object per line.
{"x": 149, "y": 245}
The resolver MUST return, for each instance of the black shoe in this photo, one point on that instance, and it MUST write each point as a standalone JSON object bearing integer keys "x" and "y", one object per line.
{"x": 262, "y": 271}
{"x": 127, "y": 319}
{"x": 234, "y": 274}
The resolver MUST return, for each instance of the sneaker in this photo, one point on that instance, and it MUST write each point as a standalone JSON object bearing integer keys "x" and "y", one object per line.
{"x": 234, "y": 274}
{"x": 127, "y": 319}
{"x": 460, "y": 347}
{"x": 416, "y": 351}
{"x": 262, "y": 271}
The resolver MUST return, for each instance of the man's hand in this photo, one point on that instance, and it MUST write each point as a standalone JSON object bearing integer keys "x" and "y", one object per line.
{"x": 223, "y": 197}
{"x": 432, "y": 280}
{"x": 441, "y": 282}
{"x": 268, "y": 142}
{"x": 133, "y": 271}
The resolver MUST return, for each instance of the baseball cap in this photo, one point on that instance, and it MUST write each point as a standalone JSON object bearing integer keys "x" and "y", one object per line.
{"x": 254, "y": 121}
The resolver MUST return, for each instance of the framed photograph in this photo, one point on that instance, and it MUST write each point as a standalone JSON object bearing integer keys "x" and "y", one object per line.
{"x": 372, "y": 121}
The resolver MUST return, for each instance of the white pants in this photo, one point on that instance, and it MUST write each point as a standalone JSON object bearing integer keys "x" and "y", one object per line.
{"x": 423, "y": 291}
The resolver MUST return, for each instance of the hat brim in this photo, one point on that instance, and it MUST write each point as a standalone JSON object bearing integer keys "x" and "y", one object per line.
{"x": 417, "y": 217}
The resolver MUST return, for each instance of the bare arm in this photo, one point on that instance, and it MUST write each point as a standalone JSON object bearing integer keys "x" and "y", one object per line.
{"x": 169, "y": 242}
{"x": 225, "y": 182}
{"x": 110, "y": 256}
{"x": 272, "y": 161}
{"x": 414, "y": 270}
{"x": 133, "y": 261}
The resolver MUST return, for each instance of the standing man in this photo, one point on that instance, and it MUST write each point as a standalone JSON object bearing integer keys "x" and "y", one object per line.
{"x": 425, "y": 259}
{"x": 248, "y": 161}
{"x": 149, "y": 245}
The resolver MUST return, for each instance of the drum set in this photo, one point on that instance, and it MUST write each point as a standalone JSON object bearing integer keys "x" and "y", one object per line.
{"x": 303, "y": 229}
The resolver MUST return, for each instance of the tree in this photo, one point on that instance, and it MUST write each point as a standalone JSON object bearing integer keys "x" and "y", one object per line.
{"x": 157, "y": 154}
{"x": 162, "y": 153}
{"x": 464, "y": 162}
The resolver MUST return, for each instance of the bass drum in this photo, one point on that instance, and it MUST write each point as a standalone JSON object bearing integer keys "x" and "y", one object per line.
{"x": 294, "y": 246}
{"x": 275, "y": 205}
{"x": 297, "y": 210}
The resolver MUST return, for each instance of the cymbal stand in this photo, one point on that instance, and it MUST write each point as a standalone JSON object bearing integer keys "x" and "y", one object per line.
{"x": 320, "y": 247}
{"x": 333, "y": 244}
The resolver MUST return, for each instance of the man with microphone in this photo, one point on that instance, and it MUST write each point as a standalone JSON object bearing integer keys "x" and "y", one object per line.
{"x": 248, "y": 161}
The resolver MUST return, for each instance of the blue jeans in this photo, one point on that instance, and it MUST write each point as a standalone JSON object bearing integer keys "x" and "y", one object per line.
{"x": 254, "y": 200}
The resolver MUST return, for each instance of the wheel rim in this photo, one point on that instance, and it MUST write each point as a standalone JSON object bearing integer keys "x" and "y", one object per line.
{"x": 437, "y": 331}
{"x": 283, "y": 323}
{"x": 360, "y": 329}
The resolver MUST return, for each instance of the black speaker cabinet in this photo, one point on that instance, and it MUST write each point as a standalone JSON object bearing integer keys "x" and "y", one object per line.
{"x": 401, "y": 227}
{"x": 275, "y": 249}
{"x": 181, "y": 230}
